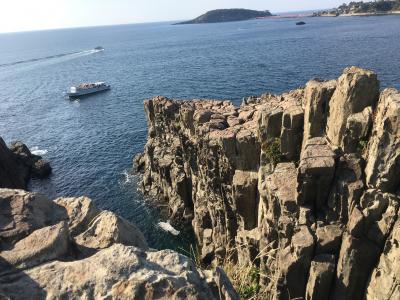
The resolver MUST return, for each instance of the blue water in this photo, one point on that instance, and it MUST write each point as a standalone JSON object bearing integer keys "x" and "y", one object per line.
{"x": 90, "y": 143}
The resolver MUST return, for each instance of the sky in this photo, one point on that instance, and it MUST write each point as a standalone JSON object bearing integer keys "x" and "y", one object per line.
{"x": 27, "y": 15}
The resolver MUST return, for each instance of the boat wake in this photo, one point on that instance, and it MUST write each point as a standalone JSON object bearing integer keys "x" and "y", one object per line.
{"x": 37, "y": 151}
{"x": 78, "y": 53}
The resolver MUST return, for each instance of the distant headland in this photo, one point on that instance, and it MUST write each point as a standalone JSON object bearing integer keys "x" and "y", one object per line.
{"x": 228, "y": 15}
{"x": 363, "y": 9}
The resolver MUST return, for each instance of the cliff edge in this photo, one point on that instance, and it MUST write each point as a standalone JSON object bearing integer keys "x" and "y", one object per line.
{"x": 69, "y": 249}
{"x": 302, "y": 187}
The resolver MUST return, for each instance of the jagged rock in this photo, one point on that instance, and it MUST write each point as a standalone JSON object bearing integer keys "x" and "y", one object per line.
{"x": 356, "y": 260}
{"x": 368, "y": 228}
{"x": 322, "y": 272}
{"x": 220, "y": 284}
{"x": 347, "y": 188}
{"x": 356, "y": 132}
{"x": 247, "y": 245}
{"x": 12, "y": 174}
{"x": 315, "y": 174}
{"x": 384, "y": 281}
{"x": 320, "y": 228}
{"x": 380, "y": 213}
{"x": 43, "y": 262}
{"x": 81, "y": 211}
{"x": 356, "y": 89}
{"x": 107, "y": 229}
{"x": 329, "y": 238}
{"x": 23, "y": 212}
{"x": 295, "y": 263}
{"x": 383, "y": 163}
{"x": 118, "y": 272}
{"x": 18, "y": 165}
{"x": 280, "y": 189}
{"x": 292, "y": 132}
{"x": 42, "y": 245}
{"x": 317, "y": 95}
{"x": 245, "y": 194}
{"x": 34, "y": 164}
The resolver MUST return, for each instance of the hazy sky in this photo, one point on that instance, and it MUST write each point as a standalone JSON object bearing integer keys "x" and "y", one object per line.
{"x": 21, "y": 15}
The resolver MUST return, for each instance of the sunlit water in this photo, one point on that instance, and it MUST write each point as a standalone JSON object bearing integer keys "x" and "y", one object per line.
{"x": 90, "y": 143}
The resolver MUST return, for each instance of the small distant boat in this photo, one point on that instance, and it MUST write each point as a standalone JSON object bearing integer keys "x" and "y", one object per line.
{"x": 87, "y": 89}
{"x": 301, "y": 23}
{"x": 99, "y": 48}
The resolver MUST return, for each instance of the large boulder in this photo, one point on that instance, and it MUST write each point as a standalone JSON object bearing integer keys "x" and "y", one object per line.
{"x": 356, "y": 89}
{"x": 81, "y": 211}
{"x": 107, "y": 229}
{"x": 42, "y": 245}
{"x": 23, "y": 212}
{"x": 118, "y": 272}
{"x": 39, "y": 258}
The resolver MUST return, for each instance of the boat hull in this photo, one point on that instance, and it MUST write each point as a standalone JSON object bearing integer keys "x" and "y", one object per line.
{"x": 88, "y": 92}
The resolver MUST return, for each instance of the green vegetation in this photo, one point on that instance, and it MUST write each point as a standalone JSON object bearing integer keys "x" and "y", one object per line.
{"x": 361, "y": 7}
{"x": 228, "y": 15}
{"x": 272, "y": 150}
{"x": 362, "y": 146}
{"x": 245, "y": 279}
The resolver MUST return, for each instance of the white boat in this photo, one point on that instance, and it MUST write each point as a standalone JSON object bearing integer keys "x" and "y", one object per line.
{"x": 87, "y": 89}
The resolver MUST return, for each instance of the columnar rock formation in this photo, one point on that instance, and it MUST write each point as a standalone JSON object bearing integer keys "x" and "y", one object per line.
{"x": 304, "y": 185}
{"x": 69, "y": 249}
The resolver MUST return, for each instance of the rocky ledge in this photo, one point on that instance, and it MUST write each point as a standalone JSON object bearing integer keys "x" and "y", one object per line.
{"x": 302, "y": 186}
{"x": 69, "y": 249}
{"x": 18, "y": 165}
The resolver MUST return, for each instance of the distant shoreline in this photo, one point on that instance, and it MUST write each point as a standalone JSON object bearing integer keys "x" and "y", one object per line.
{"x": 314, "y": 15}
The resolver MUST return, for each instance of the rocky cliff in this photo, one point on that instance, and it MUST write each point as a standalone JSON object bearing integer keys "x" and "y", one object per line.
{"x": 303, "y": 186}
{"x": 18, "y": 165}
{"x": 69, "y": 249}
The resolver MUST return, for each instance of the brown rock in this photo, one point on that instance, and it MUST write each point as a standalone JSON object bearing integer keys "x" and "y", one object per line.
{"x": 356, "y": 89}
{"x": 107, "y": 229}
{"x": 383, "y": 167}
{"x": 81, "y": 211}
{"x": 23, "y": 212}
{"x": 322, "y": 272}
{"x": 45, "y": 244}
{"x": 315, "y": 174}
{"x": 317, "y": 95}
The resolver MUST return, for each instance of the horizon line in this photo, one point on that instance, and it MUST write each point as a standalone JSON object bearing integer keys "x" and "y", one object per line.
{"x": 132, "y": 23}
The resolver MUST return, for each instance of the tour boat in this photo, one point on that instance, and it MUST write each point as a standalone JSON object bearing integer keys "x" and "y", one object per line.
{"x": 88, "y": 88}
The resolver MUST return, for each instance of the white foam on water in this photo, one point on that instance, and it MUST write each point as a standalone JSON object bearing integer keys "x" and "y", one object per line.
{"x": 128, "y": 177}
{"x": 166, "y": 226}
{"x": 37, "y": 151}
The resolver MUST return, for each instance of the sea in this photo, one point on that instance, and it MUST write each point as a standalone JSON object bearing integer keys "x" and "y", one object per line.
{"x": 91, "y": 142}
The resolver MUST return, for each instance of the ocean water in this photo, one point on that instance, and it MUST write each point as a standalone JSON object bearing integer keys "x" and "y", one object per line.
{"x": 90, "y": 143}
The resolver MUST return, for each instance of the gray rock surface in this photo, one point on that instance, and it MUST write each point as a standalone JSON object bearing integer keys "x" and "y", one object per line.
{"x": 327, "y": 186}
{"x": 69, "y": 249}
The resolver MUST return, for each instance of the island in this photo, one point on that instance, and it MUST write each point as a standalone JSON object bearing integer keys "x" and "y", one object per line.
{"x": 228, "y": 15}
{"x": 363, "y": 9}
